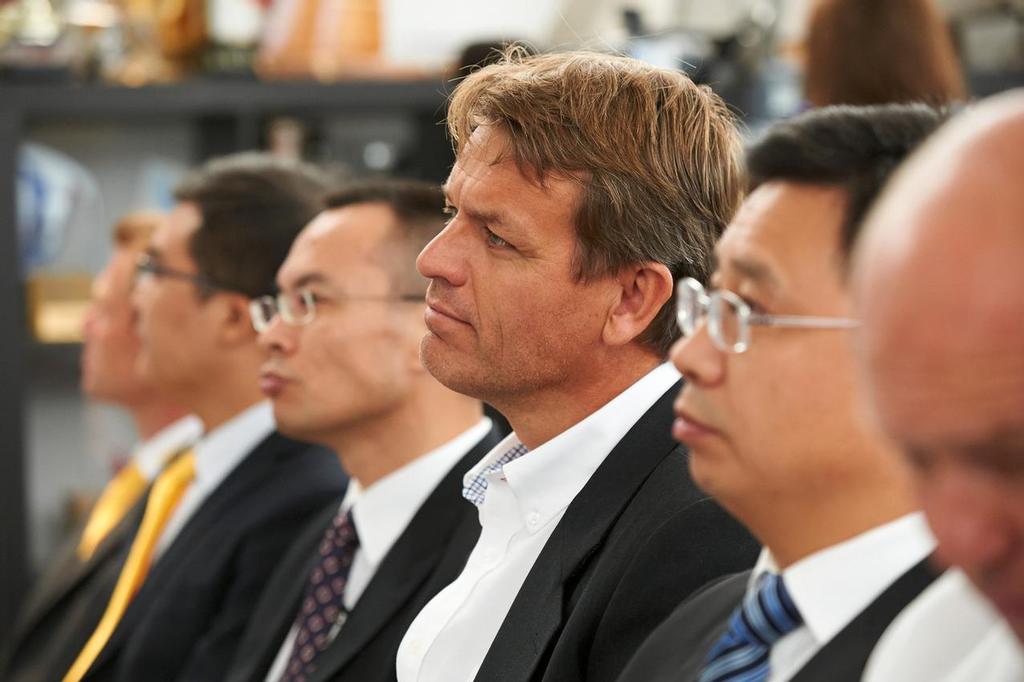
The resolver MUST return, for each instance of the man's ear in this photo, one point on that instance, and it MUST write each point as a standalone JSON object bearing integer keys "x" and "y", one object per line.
{"x": 642, "y": 291}
{"x": 236, "y": 324}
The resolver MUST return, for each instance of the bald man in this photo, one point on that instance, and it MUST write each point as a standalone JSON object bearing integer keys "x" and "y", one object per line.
{"x": 940, "y": 285}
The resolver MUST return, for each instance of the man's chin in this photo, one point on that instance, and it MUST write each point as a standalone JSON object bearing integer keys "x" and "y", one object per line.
{"x": 456, "y": 372}
{"x": 295, "y": 427}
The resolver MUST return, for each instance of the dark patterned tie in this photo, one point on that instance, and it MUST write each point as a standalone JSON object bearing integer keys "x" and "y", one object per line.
{"x": 323, "y": 606}
{"x": 742, "y": 653}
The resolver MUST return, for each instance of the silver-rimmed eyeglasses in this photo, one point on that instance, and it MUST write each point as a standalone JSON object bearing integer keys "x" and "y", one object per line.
{"x": 729, "y": 317}
{"x": 146, "y": 265}
{"x": 298, "y": 307}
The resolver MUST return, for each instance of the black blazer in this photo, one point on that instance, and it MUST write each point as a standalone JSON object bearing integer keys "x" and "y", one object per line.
{"x": 188, "y": 617}
{"x": 634, "y": 543}
{"x": 422, "y": 561}
{"x": 676, "y": 650}
{"x": 58, "y": 604}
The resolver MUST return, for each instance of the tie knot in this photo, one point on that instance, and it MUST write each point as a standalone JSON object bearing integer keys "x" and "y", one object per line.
{"x": 342, "y": 532}
{"x": 181, "y": 469}
{"x": 768, "y": 612}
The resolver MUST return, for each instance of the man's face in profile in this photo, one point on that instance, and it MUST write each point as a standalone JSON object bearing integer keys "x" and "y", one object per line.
{"x": 111, "y": 346}
{"x": 941, "y": 289}
{"x": 778, "y": 417}
{"x": 357, "y": 357}
{"x": 506, "y": 315}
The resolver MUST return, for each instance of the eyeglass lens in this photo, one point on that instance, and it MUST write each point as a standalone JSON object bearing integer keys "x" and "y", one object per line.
{"x": 725, "y": 313}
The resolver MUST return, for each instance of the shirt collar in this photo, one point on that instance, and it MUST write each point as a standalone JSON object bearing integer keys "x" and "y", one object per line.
{"x": 151, "y": 454}
{"x": 546, "y": 479}
{"x": 832, "y": 586}
{"x": 382, "y": 511}
{"x": 224, "y": 448}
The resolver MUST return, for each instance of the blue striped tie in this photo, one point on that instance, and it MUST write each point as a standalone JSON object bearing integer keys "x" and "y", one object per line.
{"x": 741, "y": 654}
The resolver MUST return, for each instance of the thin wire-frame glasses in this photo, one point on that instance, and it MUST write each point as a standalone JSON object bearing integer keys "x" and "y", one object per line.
{"x": 298, "y": 308}
{"x": 147, "y": 265}
{"x": 729, "y": 318}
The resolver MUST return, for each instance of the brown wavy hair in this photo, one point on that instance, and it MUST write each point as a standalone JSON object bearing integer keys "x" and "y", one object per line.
{"x": 659, "y": 157}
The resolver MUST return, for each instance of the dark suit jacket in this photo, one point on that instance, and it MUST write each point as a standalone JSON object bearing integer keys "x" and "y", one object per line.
{"x": 676, "y": 650}
{"x": 422, "y": 561}
{"x": 634, "y": 543}
{"x": 189, "y": 615}
{"x": 58, "y": 605}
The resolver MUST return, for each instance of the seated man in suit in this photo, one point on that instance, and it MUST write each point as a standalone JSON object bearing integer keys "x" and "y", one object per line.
{"x": 342, "y": 338}
{"x": 941, "y": 290}
{"x": 220, "y": 514}
{"x": 550, "y": 298}
{"x": 109, "y": 353}
{"x": 770, "y": 412}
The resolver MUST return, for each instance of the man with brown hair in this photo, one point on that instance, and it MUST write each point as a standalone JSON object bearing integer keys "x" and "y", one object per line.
{"x": 584, "y": 186}
{"x": 109, "y": 353}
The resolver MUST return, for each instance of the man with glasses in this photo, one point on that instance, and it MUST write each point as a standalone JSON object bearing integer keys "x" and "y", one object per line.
{"x": 343, "y": 369}
{"x": 221, "y": 513}
{"x": 109, "y": 352}
{"x": 771, "y": 413}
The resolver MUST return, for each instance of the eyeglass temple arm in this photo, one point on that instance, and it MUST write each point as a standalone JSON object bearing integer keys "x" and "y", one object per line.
{"x": 804, "y": 321}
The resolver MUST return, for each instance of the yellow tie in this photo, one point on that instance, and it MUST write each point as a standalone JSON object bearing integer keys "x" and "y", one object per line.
{"x": 123, "y": 491}
{"x": 164, "y": 497}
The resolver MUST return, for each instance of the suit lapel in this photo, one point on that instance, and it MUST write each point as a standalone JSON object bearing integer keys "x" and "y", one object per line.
{"x": 407, "y": 566}
{"x": 72, "y": 572}
{"x": 205, "y": 519}
{"x": 844, "y": 657}
{"x": 281, "y": 599}
{"x": 537, "y": 614}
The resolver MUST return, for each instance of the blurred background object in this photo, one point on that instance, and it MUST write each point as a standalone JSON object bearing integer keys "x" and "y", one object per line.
{"x": 911, "y": 58}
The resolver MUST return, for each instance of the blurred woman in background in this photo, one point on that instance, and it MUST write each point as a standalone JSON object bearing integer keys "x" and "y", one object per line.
{"x": 877, "y": 51}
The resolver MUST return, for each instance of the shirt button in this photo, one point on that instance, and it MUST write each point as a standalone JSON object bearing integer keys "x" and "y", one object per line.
{"x": 532, "y": 519}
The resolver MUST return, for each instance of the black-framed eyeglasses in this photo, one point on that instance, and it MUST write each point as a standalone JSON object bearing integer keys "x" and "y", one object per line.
{"x": 298, "y": 308}
{"x": 729, "y": 318}
{"x": 147, "y": 266}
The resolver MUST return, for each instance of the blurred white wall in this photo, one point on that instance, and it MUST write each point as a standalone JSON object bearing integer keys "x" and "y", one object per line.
{"x": 430, "y": 34}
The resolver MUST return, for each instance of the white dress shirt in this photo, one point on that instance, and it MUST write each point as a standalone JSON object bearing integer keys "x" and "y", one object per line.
{"x": 831, "y": 587}
{"x": 382, "y": 512}
{"x": 150, "y": 455}
{"x": 217, "y": 454}
{"x": 523, "y": 503}
{"x": 949, "y": 634}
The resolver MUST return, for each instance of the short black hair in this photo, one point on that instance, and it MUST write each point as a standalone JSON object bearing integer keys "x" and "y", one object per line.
{"x": 419, "y": 208}
{"x": 853, "y": 148}
{"x": 252, "y": 207}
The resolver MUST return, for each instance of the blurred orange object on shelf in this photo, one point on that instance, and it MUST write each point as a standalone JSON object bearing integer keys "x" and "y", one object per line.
{"x": 326, "y": 39}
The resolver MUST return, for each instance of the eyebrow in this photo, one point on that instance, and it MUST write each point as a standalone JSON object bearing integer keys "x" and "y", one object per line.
{"x": 486, "y": 217}
{"x": 1002, "y": 448}
{"x": 754, "y": 270}
{"x": 309, "y": 278}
